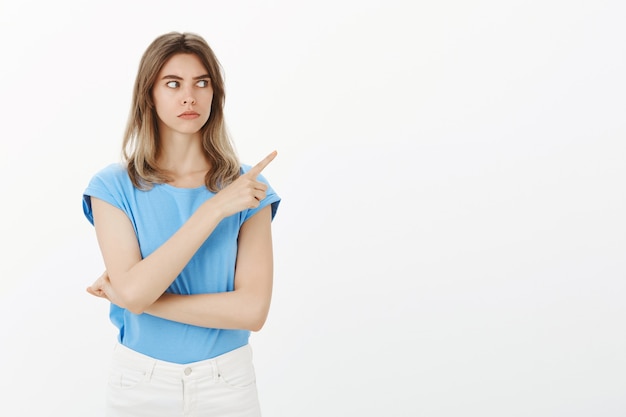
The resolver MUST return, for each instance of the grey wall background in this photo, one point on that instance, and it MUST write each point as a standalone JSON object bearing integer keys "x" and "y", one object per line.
{"x": 451, "y": 240}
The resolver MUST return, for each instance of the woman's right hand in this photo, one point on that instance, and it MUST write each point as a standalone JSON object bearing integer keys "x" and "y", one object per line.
{"x": 243, "y": 193}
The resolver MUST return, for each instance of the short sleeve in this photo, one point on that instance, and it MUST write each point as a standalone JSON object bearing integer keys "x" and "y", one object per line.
{"x": 106, "y": 185}
{"x": 271, "y": 198}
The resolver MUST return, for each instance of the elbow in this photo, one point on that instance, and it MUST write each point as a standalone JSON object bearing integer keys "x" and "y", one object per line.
{"x": 132, "y": 305}
{"x": 133, "y": 301}
{"x": 256, "y": 326}
{"x": 257, "y": 318}
{"x": 136, "y": 304}
{"x": 135, "y": 309}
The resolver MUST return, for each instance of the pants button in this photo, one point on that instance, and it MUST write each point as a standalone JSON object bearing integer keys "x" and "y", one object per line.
{"x": 187, "y": 371}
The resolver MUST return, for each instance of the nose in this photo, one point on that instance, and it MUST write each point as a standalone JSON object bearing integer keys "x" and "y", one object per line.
{"x": 187, "y": 96}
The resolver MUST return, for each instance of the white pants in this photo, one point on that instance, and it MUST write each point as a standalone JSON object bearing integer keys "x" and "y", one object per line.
{"x": 224, "y": 386}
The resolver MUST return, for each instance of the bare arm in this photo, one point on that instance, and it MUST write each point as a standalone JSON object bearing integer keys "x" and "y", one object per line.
{"x": 248, "y": 305}
{"x": 135, "y": 283}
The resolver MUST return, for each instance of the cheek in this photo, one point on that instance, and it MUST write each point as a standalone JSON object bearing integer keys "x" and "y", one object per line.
{"x": 158, "y": 110}
{"x": 208, "y": 96}
{"x": 160, "y": 106}
{"x": 208, "y": 101}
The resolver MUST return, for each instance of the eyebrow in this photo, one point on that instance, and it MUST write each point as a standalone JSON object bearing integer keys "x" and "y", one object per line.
{"x": 176, "y": 77}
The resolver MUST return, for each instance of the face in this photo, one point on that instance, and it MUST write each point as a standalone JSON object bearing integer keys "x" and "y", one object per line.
{"x": 182, "y": 95}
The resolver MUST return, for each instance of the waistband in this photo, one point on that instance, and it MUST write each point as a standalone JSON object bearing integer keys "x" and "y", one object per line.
{"x": 211, "y": 368}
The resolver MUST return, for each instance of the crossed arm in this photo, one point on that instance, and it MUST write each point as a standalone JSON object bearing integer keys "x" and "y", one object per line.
{"x": 139, "y": 284}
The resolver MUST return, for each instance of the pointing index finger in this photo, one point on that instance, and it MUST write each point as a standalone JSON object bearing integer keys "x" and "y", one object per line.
{"x": 256, "y": 170}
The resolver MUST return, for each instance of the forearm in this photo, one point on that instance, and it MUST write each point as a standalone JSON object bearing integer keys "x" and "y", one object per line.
{"x": 140, "y": 282}
{"x": 247, "y": 306}
{"x": 228, "y": 310}
{"x": 147, "y": 280}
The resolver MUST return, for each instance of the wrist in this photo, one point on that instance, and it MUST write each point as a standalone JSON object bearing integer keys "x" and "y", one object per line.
{"x": 211, "y": 209}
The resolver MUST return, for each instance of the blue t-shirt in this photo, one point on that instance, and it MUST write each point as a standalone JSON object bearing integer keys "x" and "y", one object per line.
{"x": 156, "y": 214}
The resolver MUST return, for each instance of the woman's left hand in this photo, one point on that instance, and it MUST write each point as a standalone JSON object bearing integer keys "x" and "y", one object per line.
{"x": 102, "y": 288}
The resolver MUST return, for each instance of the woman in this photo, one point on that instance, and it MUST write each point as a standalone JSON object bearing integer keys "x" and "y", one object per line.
{"x": 185, "y": 234}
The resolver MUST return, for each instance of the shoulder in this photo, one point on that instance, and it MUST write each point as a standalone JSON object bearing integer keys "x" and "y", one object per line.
{"x": 111, "y": 180}
{"x": 114, "y": 170}
{"x": 111, "y": 174}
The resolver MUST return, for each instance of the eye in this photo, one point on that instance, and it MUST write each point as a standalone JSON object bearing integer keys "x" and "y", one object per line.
{"x": 172, "y": 84}
{"x": 203, "y": 83}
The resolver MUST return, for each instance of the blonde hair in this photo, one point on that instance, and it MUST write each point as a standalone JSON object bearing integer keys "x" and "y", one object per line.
{"x": 140, "y": 146}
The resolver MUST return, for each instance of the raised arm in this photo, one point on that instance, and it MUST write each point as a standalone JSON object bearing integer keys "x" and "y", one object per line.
{"x": 135, "y": 283}
{"x": 248, "y": 305}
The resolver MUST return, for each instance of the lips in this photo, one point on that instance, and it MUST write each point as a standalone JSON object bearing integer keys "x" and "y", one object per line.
{"x": 188, "y": 115}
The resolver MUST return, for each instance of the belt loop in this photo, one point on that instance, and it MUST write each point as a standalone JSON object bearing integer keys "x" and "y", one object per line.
{"x": 216, "y": 371}
{"x": 150, "y": 370}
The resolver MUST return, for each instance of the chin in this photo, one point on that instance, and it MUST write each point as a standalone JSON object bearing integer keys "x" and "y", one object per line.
{"x": 189, "y": 130}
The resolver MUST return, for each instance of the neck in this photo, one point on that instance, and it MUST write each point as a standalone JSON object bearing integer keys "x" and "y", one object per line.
{"x": 182, "y": 155}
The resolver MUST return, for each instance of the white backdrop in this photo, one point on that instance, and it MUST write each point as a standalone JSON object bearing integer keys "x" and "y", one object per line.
{"x": 452, "y": 238}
